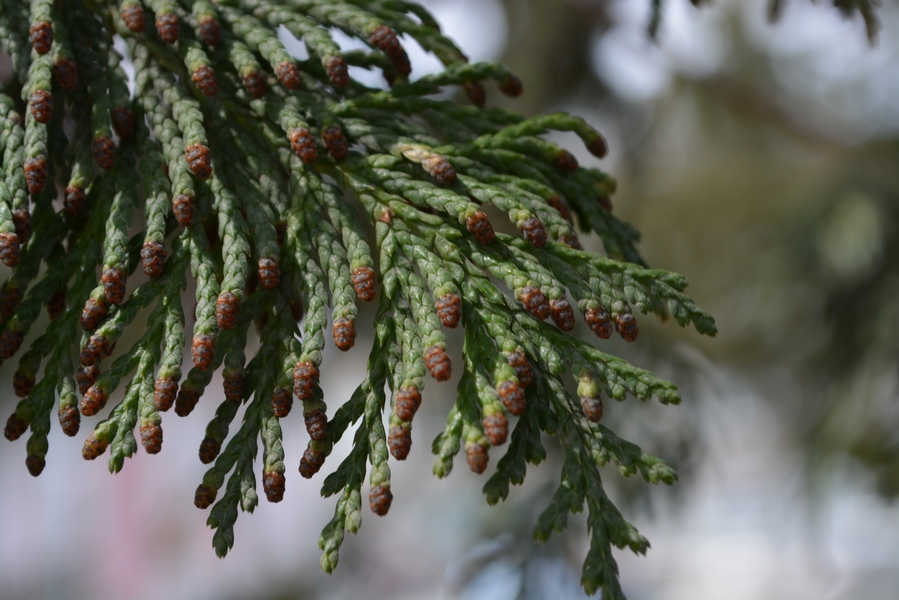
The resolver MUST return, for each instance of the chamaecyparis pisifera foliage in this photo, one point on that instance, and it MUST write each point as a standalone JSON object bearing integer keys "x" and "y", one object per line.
{"x": 288, "y": 193}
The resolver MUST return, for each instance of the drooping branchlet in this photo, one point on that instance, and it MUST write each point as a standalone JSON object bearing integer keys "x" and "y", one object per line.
{"x": 438, "y": 363}
{"x": 282, "y": 402}
{"x": 626, "y": 325}
{"x": 122, "y": 121}
{"x": 336, "y": 68}
{"x": 133, "y": 15}
{"x": 534, "y": 232}
{"x": 93, "y": 447}
{"x": 86, "y": 376}
{"x": 152, "y": 258}
{"x": 400, "y": 442}
{"x": 303, "y": 144}
{"x": 227, "y": 308}
{"x": 512, "y": 396}
{"x": 562, "y": 313}
{"x": 93, "y": 401}
{"x": 407, "y": 402}
{"x": 151, "y": 437}
{"x": 344, "y": 333}
{"x": 334, "y": 141}
{"x": 69, "y": 420}
{"x": 114, "y": 281}
{"x": 535, "y": 302}
{"x": 379, "y": 499}
{"x": 269, "y": 273}
{"x": 479, "y": 226}
{"x": 22, "y": 383}
{"x": 254, "y": 83}
{"x": 167, "y": 26}
{"x": 164, "y": 392}
{"x": 202, "y": 350}
{"x": 41, "y": 36}
{"x": 289, "y": 75}
{"x": 204, "y": 78}
{"x": 198, "y": 160}
{"x": 184, "y": 209}
{"x": 66, "y": 73}
{"x": 95, "y": 310}
{"x": 103, "y": 149}
{"x": 496, "y": 429}
{"x": 273, "y": 485}
{"x": 305, "y": 378}
{"x": 210, "y": 31}
{"x": 449, "y": 310}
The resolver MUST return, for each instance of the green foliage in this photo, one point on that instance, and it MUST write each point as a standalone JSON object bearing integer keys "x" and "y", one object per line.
{"x": 291, "y": 192}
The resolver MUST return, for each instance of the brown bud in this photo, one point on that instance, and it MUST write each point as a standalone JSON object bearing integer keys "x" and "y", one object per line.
{"x": 335, "y": 142}
{"x": 379, "y": 499}
{"x": 93, "y": 447}
{"x": 21, "y": 219}
{"x": 438, "y": 363}
{"x": 303, "y": 144}
{"x": 598, "y": 147}
{"x": 400, "y": 442}
{"x": 477, "y": 458}
{"x": 133, "y": 16}
{"x": 305, "y": 377}
{"x": 204, "y": 496}
{"x": 273, "y": 484}
{"x": 15, "y": 427}
{"x": 86, "y": 376}
{"x": 9, "y": 300}
{"x": 122, "y": 121}
{"x": 289, "y": 75}
{"x": 571, "y": 240}
{"x": 535, "y": 302}
{"x": 66, "y": 74}
{"x": 151, "y": 437}
{"x": 197, "y": 156}
{"x": 592, "y": 408}
{"x": 519, "y": 362}
{"x": 57, "y": 304}
{"x": 210, "y": 31}
{"x": 69, "y": 420}
{"x": 311, "y": 463}
{"x": 93, "y": 401}
{"x": 227, "y": 307}
{"x": 316, "y": 424}
{"x": 407, "y": 402}
{"x": 254, "y": 83}
{"x": 103, "y": 149}
{"x": 563, "y": 315}
{"x": 10, "y": 252}
{"x": 511, "y": 86}
{"x": 599, "y": 322}
{"x": 41, "y": 36}
{"x": 565, "y": 161}
{"x": 95, "y": 310}
{"x": 440, "y": 169}
{"x": 385, "y": 39}
{"x": 364, "y": 283}
{"x": 344, "y": 333}
{"x": 22, "y": 383}
{"x": 269, "y": 273}
{"x": 626, "y": 325}
{"x": 152, "y": 258}
{"x": 114, "y": 285}
{"x": 74, "y": 202}
{"x": 534, "y": 232}
{"x": 496, "y": 428}
{"x": 186, "y": 402}
{"x": 282, "y": 402}
{"x": 209, "y": 449}
{"x": 560, "y": 205}
{"x": 202, "y": 350}
{"x": 36, "y": 174}
{"x": 475, "y": 92}
{"x": 35, "y": 464}
{"x": 335, "y": 65}
{"x": 10, "y": 342}
{"x": 184, "y": 209}
{"x": 479, "y": 226}
{"x": 204, "y": 78}
{"x": 449, "y": 310}
{"x": 41, "y": 103}
{"x": 512, "y": 397}
{"x": 605, "y": 202}
{"x": 164, "y": 392}
{"x": 167, "y": 26}
{"x": 233, "y": 385}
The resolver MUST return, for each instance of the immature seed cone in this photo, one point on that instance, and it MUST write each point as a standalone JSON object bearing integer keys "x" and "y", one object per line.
{"x": 364, "y": 283}
{"x": 440, "y": 169}
{"x": 316, "y": 424}
{"x": 289, "y": 75}
{"x": 165, "y": 390}
{"x": 496, "y": 429}
{"x": 15, "y": 427}
{"x": 511, "y": 86}
{"x": 233, "y": 385}
{"x": 385, "y": 39}
{"x": 202, "y": 350}
{"x": 479, "y": 226}
{"x": 303, "y": 144}
{"x": 69, "y": 420}
{"x": 93, "y": 447}
{"x": 273, "y": 484}
{"x": 152, "y": 258}
{"x": 311, "y": 463}
{"x": 36, "y": 174}
{"x": 344, "y": 333}
{"x": 449, "y": 310}
{"x": 565, "y": 161}
{"x": 151, "y": 437}
{"x": 9, "y": 300}
{"x": 534, "y": 232}
{"x": 122, "y": 121}
{"x": 438, "y": 363}
{"x": 535, "y": 302}
{"x": 599, "y": 322}
{"x": 95, "y": 310}
{"x": 400, "y": 442}
{"x": 210, "y": 31}
{"x": 269, "y": 273}
{"x": 94, "y": 401}
{"x": 41, "y": 36}
{"x": 407, "y": 402}
{"x": 74, "y": 202}
{"x": 204, "y": 496}
{"x": 10, "y": 252}
{"x": 475, "y": 92}
{"x": 563, "y": 315}
{"x": 66, "y": 74}
{"x": 103, "y": 149}
{"x": 335, "y": 65}
{"x": 477, "y": 458}
{"x": 512, "y": 397}
{"x": 254, "y": 83}
{"x": 560, "y": 205}
{"x": 10, "y": 342}
{"x": 379, "y": 500}
{"x": 204, "y": 79}
{"x": 626, "y": 325}
{"x": 186, "y": 402}
{"x": 22, "y": 383}
{"x": 197, "y": 156}
{"x": 35, "y": 464}
{"x": 519, "y": 362}
{"x": 282, "y": 402}
{"x": 21, "y": 219}
{"x": 86, "y": 376}
{"x": 209, "y": 449}
{"x": 335, "y": 142}
{"x": 592, "y": 408}
{"x": 114, "y": 285}
{"x": 134, "y": 18}
{"x": 227, "y": 307}
{"x": 184, "y": 209}
{"x": 56, "y": 304}
{"x": 167, "y": 26}
{"x": 305, "y": 377}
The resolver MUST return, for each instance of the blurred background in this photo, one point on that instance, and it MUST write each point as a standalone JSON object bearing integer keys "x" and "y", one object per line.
{"x": 762, "y": 161}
